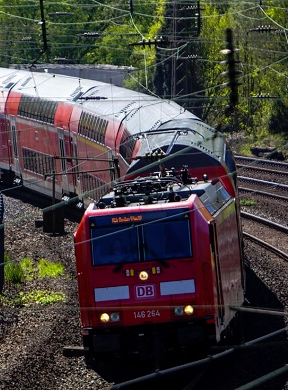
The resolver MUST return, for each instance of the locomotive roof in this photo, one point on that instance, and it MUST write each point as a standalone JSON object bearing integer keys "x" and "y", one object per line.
{"x": 152, "y": 191}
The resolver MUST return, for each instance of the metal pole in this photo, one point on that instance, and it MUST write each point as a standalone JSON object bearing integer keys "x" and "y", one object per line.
{"x": 43, "y": 25}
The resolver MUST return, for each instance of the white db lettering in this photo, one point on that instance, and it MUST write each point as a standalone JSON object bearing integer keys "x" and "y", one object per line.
{"x": 147, "y": 291}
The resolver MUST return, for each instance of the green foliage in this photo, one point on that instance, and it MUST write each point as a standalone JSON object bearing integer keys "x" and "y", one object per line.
{"x": 13, "y": 271}
{"x": 49, "y": 270}
{"x": 214, "y": 34}
{"x": 26, "y": 270}
{"x": 247, "y": 202}
{"x": 278, "y": 121}
{"x": 41, "y": 297}
{"x": 27, "y": 267}
{"x": 245, "y": 149}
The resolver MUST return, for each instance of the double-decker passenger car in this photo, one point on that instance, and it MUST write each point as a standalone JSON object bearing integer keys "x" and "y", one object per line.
{"x": 74, "y": 136}
{"x": 158, "y": 263}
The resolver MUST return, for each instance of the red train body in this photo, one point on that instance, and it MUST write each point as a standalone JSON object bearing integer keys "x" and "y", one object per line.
{"x": 177, "y": 276}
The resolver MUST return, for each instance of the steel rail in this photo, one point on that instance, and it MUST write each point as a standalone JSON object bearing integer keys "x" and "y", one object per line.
{"x": 263, "y": 182}
{"x": 264, "y": 221}
{"x": 261, "y": 169}
{"x": 264, "y": 193}
{"x": 261, "y": 161}
{"x": 267, "y": 246}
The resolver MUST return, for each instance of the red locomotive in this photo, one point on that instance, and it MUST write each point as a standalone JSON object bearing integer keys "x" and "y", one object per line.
{"x": 158, "y": 262}
{"x": 84, "y": 134}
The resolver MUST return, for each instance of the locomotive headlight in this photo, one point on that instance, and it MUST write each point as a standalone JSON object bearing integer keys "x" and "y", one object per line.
{"x": 189, "y": 310}
{"x": 178, "y": 311}
{"x": 143, "y": 275}
{"x": 115, "y": 317}
{"x": 181, "y": 310}
{"x": 104, "y": 317}
{"x": 109, "y": 317}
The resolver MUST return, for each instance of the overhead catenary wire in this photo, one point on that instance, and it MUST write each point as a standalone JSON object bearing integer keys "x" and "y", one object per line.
{"x": 182, "y": 96}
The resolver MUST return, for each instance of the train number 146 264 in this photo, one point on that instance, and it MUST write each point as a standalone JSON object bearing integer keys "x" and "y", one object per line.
{"x": 146, "y": 313}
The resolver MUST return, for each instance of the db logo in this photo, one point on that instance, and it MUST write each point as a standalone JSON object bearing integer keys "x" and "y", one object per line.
{"x": 145, "y": 291}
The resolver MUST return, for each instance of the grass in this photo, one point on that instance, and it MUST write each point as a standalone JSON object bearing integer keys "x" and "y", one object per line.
{"x": 27, "y": 266}
{"x": 247, "y": 202}
{"x": 26, "y": 270}
{"x": 41, "y": 297}
{"x": 13, "y": 272}
{"x": 49, "y": 270}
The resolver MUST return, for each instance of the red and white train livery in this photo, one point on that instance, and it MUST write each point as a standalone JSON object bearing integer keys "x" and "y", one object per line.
{"x": 86, "y": 133}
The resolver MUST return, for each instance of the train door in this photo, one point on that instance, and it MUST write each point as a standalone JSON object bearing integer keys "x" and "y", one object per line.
{"x": 69, "y": 149}
{"x": 11, "y": 122}
{"x": 6, "y": 155}
{"x": 5, "y": 142}
{"x": 63, "y": 162}
{"x": 215, "y": 257}
{"x": 76, "y": 167}
{"x": 68, "y": 152}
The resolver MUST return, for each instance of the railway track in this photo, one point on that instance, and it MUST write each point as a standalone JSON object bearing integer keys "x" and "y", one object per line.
{"x": 277, "y": 227}
{"x": 260, "y": 162}
{"x": 261, "y": 169}
{"x": 32, "y": 336}
{"x": 263, "y": 193}
{"x": 269, "y": 184}
{"x": 267, "y": 246}
{"x": 270, "y": 198}
{"x": 264, "y": 221}
{"x": 266, "y": 178}
{"x": 266, "y": 170}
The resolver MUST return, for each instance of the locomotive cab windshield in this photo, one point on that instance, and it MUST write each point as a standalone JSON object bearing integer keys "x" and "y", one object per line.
{"x": 130, "y": 237}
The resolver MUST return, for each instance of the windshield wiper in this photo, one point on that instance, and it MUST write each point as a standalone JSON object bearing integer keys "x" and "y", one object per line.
{"x": 163, "y": 262}
{"x": 119, "y": 266}
{"x": 125, "y": 258}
